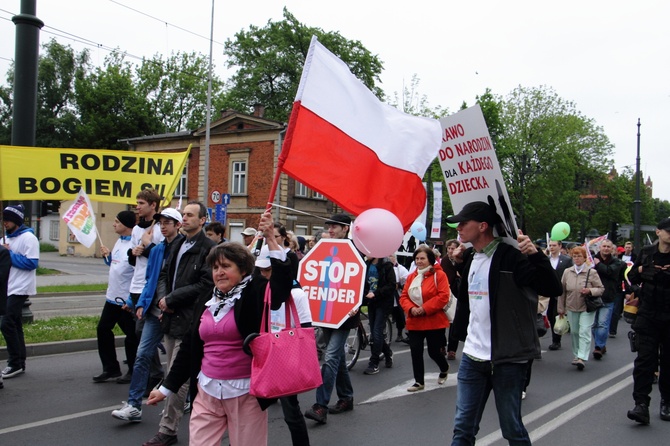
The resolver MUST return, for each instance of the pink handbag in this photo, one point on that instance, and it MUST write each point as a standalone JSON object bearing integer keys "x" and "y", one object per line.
{"x": 284, "y": 363}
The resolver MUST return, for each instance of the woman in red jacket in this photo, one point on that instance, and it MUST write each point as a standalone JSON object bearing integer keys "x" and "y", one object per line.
{"x": 423, "y": 299}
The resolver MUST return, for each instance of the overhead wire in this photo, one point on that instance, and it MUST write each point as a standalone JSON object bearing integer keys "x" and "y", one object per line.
{"x": 91, "y": 43}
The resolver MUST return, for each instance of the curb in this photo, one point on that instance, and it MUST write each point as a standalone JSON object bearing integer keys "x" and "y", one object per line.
{"x": 61, "y": 347}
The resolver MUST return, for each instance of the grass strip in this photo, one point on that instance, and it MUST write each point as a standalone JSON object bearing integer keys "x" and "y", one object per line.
{"x": 72, "y": 288}
{"x": 62, "y": 328}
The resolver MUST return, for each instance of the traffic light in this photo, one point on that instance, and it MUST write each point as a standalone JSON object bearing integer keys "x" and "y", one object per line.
{"x": 48, "y": 207}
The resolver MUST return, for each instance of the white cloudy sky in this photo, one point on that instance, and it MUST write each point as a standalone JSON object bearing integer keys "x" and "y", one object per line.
{"x": 611, "y": 58}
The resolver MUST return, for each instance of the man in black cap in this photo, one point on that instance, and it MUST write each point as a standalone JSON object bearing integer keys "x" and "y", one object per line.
{"x": 495, "y": 317}
{"x": 334, "y": 370}
{"x": 113, "y": 313}
{"x": 652, "y": 328}
{"x": 24, "y": 249}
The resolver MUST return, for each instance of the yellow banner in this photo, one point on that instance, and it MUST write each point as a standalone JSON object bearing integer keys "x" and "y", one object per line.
{"x": 113, "y": 176}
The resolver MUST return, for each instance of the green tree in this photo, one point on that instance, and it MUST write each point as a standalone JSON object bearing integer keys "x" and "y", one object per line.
{"x": 413, "y": 102}
{"x": 546, "y": 148}
{"x": 5, "y": 115}
{"x": 269, "y": 63}
{"x": 111, "y": 107}
{"x": 177, "y": 89}
{"x": 57, "y": 119}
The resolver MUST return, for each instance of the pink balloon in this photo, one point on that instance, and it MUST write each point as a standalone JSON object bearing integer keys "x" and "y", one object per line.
{"x": 377, "y": 233}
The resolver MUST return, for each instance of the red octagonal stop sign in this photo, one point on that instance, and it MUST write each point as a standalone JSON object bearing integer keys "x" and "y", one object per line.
{"x": 332, "y": 274}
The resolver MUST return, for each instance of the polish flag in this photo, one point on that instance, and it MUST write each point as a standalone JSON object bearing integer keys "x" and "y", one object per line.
{"x": 360, "y": 153}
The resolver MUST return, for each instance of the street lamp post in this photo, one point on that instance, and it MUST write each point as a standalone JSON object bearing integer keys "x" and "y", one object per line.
{"x": 637, "y": 202}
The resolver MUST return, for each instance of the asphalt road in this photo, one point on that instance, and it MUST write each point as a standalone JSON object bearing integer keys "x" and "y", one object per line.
{"x": 55, "y": 403}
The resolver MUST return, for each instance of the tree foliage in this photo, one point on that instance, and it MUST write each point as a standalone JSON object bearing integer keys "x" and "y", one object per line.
{"x": 176, "y": 88}
{"x": 545, "y": 148}
{"x": 269, "y": 63}
{"x": 111, "y": 107}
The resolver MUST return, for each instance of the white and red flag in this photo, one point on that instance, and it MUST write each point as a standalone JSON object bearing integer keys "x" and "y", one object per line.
{"x": 345, "y": 143}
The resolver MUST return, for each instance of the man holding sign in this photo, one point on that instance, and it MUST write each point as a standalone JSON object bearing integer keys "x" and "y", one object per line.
{"x": 334, "y": 370}
{"x": 497, "y": 308}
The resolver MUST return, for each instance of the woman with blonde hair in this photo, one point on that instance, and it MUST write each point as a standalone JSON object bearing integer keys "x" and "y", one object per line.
{"x": 579, "y": 281}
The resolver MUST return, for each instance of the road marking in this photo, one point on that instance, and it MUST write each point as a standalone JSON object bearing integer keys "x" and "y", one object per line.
{"x": 57, "y": 419}
{"x": 569, "y": 398}
{"x": 401, "y": 389}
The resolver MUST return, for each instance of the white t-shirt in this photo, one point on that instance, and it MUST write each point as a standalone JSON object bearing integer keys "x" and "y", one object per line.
{"x": 278, "y": 317}
{"x": 478, "y": 342}
{"x": 140, "y": 275}
{"x": 23, "y": 282}
{"x": 120, "y": 272}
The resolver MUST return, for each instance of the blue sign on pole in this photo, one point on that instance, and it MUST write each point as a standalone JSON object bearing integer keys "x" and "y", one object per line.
{"x": 221, "y": 213}
{"x": 209, "y": 214}
{"x": 225, "y": 199}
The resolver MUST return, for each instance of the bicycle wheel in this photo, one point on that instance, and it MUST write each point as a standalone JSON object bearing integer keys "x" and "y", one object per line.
{"x": 352, "y": 348}
{"x": 388, "y": 330}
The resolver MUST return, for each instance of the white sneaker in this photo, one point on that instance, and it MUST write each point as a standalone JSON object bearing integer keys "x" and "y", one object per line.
{"x": 128, "y": 413}
{"x": 523, "y": 395}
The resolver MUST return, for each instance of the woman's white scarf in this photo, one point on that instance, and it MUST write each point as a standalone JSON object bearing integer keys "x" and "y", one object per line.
{"x": 414, "y": 290}
{"x": 580, "y": 269}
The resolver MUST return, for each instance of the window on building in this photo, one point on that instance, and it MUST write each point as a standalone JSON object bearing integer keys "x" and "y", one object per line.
{"x": 239, "y": 178}
{"x": 181, "y": 190}
{"x": 318, "y": 195}
{"x": 300, "y": 189}
{"x": 235, "y": 231}
{"x": 300, "y": 230}
{"x": 54, "y": 230}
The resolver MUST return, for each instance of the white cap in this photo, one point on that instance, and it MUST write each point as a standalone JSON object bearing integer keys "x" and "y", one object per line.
{"x": 263, "y": 260}
{"x": 249, "y": 231}
{"x": 169, "y": 213}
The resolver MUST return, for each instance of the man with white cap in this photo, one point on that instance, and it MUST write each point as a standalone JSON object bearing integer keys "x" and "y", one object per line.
{"x": 24, "y": 250}
{"x": 147, "y": 310}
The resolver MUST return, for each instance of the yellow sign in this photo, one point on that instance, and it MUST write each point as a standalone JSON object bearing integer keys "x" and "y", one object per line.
{"x": 114, "y": 176}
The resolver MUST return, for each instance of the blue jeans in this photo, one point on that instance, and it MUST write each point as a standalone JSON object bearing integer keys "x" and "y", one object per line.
{"x": 601, "y": 325}
{"x": 334, "y": 370}
{"x": 475, "y": 382}
{"x": 377, "y": 323}
{"x": 151, "y": 337}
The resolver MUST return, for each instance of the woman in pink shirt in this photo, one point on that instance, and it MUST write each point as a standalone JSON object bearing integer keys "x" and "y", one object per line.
{"x": 211, "y": 355}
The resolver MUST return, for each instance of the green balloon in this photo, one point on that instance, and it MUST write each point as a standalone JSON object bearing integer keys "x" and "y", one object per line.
{"x": 452, "y": 225}
{"x": 560, "y": 231}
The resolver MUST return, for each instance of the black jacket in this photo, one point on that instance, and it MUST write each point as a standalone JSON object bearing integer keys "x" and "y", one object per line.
{"x": 564, "y": 262}
{"x": 655, "y": 285}
{"x": 515, "y": 280}
{"x": 193, "y": 278}
{"x": 385, "y": 293}
{"x": 611, "y": 275}
{"x": 248, "y": 311}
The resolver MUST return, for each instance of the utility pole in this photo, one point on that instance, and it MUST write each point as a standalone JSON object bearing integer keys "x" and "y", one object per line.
{"x": 24, "y": 109}
{"x": 637, "y": 240}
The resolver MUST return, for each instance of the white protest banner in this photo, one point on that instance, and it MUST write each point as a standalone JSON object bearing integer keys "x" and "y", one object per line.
{"x": 437, "y": 210}
{"x": 81, "y": 220}
{"x": 471, "y": 170}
